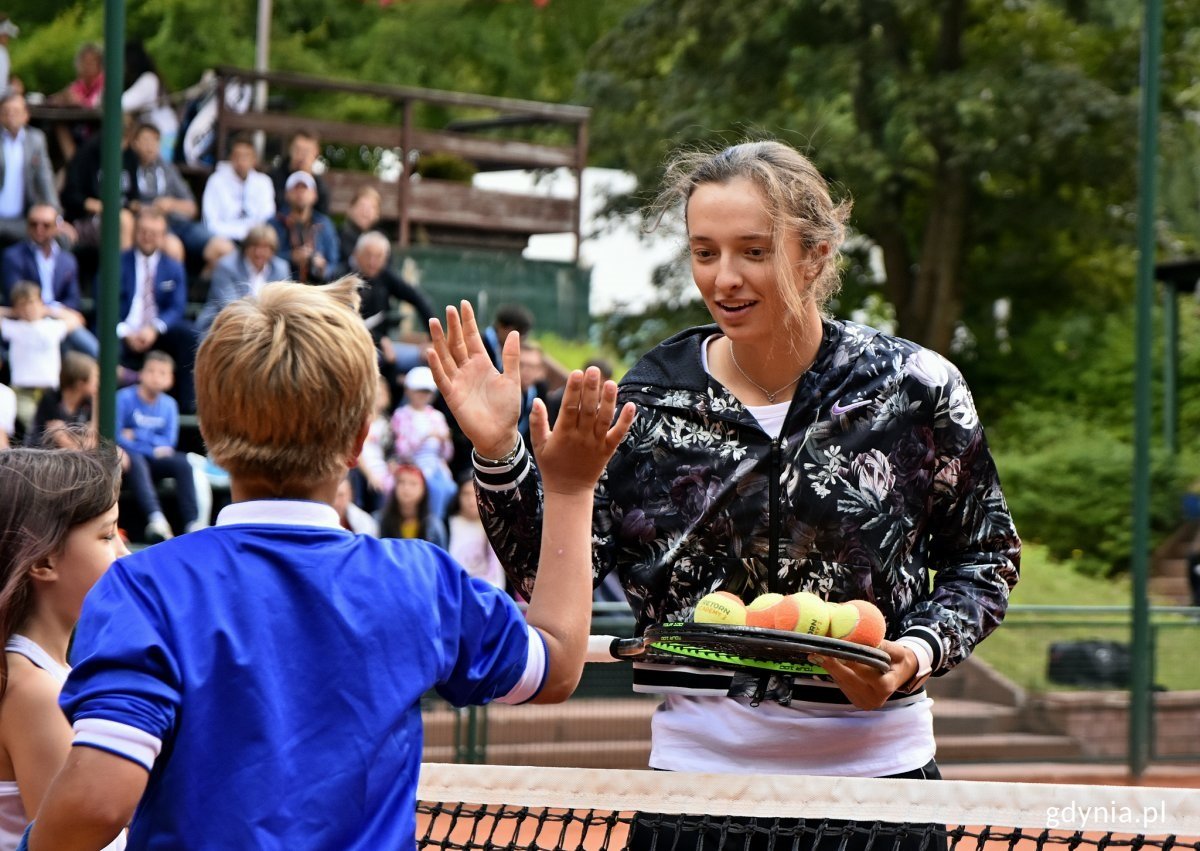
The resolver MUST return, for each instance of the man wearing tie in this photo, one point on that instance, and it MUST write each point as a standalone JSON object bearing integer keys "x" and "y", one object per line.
{"x": 153, "y": 301}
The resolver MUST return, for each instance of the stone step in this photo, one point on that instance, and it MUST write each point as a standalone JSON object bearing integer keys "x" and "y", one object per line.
{"x": 960, "y": 717}
{"x": 1173, "y": 589}
{"x": 1006, "y": 747}
{"x": 1170, "y": 567}
{"x": 599, "y": 754}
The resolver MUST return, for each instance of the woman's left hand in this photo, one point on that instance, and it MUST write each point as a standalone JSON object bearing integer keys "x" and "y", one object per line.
{"x": 866, "y": 687}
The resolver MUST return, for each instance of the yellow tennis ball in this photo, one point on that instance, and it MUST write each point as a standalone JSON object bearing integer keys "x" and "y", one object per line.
{"x": 843, "y": 618}
{"x": 720, "y": 607}
{"x": 759, "y": 613}
{"x": 812, "y": 614}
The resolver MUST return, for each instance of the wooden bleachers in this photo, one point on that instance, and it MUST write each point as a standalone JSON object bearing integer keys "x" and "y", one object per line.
{"x": 519, "y": 135}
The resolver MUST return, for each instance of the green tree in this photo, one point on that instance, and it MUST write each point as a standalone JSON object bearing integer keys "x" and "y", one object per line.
{"x": 989, "y": 147}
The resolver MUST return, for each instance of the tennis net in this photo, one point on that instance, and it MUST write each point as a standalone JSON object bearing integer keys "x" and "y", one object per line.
{"x": 472, "y": 807}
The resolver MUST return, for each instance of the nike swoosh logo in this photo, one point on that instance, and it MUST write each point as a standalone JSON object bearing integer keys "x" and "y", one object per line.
{"x": 838, "y": 408}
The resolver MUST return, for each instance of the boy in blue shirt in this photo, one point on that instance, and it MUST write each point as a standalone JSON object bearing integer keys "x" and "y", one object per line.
{"x": 147, "y": 431}
{"x": 257, "y": 684}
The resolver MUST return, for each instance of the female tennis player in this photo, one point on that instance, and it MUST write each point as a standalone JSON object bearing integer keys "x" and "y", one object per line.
{"x": 777, "y": 450}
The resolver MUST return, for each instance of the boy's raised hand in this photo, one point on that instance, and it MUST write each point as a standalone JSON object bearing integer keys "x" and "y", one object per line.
{"x": 486, "y": 403}
{"x": 573, "y": 455}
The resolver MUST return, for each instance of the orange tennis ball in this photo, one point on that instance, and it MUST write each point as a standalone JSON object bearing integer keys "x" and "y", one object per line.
{"x": 785, "y": 614}
{"x": 759, "y": 613}
{"x": 720, "y": 607}
{"x": 871, "y": 626}
{"x": 812, "y": 613}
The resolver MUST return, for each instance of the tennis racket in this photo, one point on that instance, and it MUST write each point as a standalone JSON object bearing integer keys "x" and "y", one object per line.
{"x": 737, "y": 648}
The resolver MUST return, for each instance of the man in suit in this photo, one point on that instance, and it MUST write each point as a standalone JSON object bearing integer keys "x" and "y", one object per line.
{"x": 40, "y": 259}
{"x": 26, "y": 177}
{"x": 244, "y": 273}
{"x": 152, "y": 304}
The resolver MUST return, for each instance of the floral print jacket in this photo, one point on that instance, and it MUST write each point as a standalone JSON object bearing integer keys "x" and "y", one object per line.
{"x": 880, "y": 479}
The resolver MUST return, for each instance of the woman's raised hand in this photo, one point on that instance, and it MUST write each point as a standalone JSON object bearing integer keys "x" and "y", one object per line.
{"x": 486, "y": 403}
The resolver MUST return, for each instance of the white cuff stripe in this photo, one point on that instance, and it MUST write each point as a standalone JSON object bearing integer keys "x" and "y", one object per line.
{"x": 923, "y": 653}
{"x": 130, "y": 742}
{"x": 535, "y": 672}
{"x": 486, "y": 480}
{"x": 934, "y": 642}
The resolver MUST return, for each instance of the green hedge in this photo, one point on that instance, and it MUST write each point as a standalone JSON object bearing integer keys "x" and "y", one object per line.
{"x": 1070, "y": 487}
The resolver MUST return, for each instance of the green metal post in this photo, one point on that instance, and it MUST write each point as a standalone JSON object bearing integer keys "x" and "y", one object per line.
{"x": 1170, "y": 369}
{"x": 109, "y": 283}
{"x": 1139, "y": 686}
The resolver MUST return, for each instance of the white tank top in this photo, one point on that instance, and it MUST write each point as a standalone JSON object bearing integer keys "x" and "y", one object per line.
{"x": 12, "y": 811}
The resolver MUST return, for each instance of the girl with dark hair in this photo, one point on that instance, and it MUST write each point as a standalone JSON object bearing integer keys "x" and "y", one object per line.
{"x": 406, "y": 513}
{"x": 145, "y": 96}
{"x": 58, "y": 535}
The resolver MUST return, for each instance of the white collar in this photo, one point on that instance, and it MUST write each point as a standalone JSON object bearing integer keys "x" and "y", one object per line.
{"x": 280, "y": 512}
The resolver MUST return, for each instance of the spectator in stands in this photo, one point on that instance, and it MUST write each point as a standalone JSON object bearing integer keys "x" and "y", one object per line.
{"x": 362, "y": 216}
{"x": 148, "y": 432}
{"x": 407, "y": 514}
{"x": 86, "y": 91}
{"x": 369, "y": 480}
{"x": 238, "y": 275}
{"x": 554, "y": 397}
{"x": 237, "y": 196}
{"x": 370, "y": 262}
{"x": 353, "y": 518}
{"x": 422, "y": 437}
{"x": 26, "y": 177}
{"x": 156, "y": 183}
{"x": 145, "y": 96}
{"x": 40, "y": 259}
{"x": 533, "y": 382}
{"x": 33, "y": 338}
{"x": 8, "y": 416}
{"x": 72, "y": 404}
{"x": 307, "y": 238}
{"x": 469, "y": 545}
{"x": 304, "y": 148}
{"x": 152, "y": 304}
{"x": 507, "y": 318}
{"x": 81, "y": 192}
{"x": 8, "y": 31}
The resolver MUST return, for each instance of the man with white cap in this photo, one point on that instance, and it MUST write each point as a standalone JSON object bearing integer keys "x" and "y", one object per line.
{"x": 307, "y": 238}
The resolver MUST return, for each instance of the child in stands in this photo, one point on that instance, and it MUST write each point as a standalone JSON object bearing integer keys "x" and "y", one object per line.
{"x": 33, "y": 338}
{"x": 72, "y": 404}
{"x": 147, "y": 432}
{"x": 407, "y": 512}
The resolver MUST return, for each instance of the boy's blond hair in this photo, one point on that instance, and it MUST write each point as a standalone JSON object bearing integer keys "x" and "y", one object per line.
{"x": 285, "y": 383}
{"x": 24, "y": 291}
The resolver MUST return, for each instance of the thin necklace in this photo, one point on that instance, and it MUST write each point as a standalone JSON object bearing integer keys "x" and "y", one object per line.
{"x": 770, "y": 396}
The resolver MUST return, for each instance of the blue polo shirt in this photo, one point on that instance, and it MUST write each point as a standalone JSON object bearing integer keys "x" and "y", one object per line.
{"x": 268, "y": 673}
